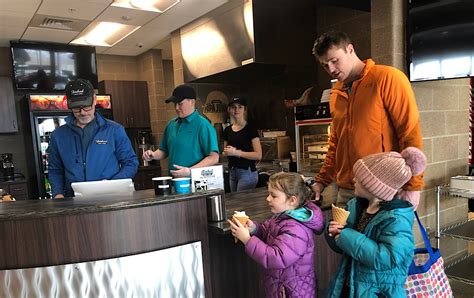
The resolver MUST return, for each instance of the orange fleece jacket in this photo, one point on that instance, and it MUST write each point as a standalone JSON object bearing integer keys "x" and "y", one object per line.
{"x": 379, "y": 115}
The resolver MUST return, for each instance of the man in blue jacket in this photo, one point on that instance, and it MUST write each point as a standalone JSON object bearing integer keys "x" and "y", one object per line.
{"x": 88, "y": 147}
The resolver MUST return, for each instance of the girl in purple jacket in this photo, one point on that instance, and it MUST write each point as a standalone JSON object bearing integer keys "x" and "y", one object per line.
{"x": 284, "y": 244}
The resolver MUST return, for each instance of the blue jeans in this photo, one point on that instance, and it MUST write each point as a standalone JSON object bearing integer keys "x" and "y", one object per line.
{"x": 240, "y": 179}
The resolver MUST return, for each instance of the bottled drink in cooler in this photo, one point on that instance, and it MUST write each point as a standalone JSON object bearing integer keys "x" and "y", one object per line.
{"x": 47, "y": 187}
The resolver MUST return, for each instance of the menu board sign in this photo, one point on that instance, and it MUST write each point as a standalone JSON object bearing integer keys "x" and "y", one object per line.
{"x": 59, "y": 102}
{"x": 206, "y": 178}
{"x": 48, "y": 102}
{"x": 103, "y": 102}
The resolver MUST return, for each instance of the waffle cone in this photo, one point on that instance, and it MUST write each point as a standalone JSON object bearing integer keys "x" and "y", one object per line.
{"x": 243, "y": 219}
{"x": 340, "y": 215}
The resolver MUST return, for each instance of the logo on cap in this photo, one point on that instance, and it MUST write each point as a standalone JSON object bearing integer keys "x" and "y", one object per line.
{"x": 77, "y": 92}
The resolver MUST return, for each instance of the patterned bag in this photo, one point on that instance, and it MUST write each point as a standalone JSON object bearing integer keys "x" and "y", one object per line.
{"x": 426, "y": 277}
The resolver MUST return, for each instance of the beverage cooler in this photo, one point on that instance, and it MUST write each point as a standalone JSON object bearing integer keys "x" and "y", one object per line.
{"x": 312, "y": 129}
{"x": 47, "y": 112}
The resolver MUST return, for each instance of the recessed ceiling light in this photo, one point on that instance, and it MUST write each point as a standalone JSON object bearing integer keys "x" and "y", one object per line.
{"x": 149, "y": 5}
{"x": 105, "y": 34}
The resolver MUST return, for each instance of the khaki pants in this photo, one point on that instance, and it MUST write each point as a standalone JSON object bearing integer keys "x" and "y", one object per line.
{"x": 344, "y": 195}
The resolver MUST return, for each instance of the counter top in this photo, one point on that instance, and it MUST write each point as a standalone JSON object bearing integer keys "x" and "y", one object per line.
{"x": 69, "y": 206}
{"x": 254, "y": 204}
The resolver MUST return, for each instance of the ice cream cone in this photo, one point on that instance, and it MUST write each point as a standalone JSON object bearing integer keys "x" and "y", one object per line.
{"x": 241, "y": 217}
{"x": 340, "y": 215}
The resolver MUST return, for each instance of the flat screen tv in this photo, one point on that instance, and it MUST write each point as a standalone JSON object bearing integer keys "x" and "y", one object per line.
{"x": 440, "y": 39}
{"x": 49, "y": 66}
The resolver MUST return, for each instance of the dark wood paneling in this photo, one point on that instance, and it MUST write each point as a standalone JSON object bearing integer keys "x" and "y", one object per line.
{"x": 130, "y": 104}
{"x": 233, "y": 272}
{"x": 94, "y": 236}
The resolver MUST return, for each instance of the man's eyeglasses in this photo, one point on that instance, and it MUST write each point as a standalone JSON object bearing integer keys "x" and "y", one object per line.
{"x": 84, "y": 108}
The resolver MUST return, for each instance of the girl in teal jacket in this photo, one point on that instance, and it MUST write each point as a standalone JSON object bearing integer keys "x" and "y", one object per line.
{"x": 377, "y": 240}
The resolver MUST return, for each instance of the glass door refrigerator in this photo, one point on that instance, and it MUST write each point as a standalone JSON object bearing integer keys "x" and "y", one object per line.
{"x": 48, "y": 112}
{"x": 312, "y": 129}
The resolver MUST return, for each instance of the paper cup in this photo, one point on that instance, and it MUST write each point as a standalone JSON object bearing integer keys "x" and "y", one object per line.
{"x": 182, "y": 185}
{"x": 162, "y": 185}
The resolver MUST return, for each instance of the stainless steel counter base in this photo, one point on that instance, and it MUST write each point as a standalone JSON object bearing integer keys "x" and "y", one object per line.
{"x": 172, "y": 272}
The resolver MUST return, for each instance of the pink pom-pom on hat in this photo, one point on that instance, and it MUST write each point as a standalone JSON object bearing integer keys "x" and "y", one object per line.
{"x": 383, "y": 174}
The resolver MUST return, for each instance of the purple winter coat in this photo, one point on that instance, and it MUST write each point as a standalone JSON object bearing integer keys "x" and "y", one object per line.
{"x": 284, "y": 247}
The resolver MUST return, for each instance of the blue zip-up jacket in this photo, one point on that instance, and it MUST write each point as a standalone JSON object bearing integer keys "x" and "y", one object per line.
{"x": 109, "y": 155}
{"x": 379, "y": 257}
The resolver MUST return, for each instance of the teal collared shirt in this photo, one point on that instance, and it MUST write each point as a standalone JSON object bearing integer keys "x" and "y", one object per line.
{"x": 187, "y": 141}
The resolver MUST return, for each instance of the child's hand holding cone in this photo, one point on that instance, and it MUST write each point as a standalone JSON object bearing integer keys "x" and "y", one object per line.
{"x": 339, "y": 216}
{"x": 239, "y": 226}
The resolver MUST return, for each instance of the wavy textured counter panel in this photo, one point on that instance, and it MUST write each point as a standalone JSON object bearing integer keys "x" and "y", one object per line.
{"x": 172, "y": 272}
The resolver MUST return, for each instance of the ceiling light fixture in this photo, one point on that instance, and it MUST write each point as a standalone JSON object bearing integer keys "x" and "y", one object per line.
{"x": 149, "y": 5}
{"x": 105, "y": 34}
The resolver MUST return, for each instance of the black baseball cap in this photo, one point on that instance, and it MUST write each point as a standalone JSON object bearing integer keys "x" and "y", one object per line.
{"x": 79, "y": 93}
{"x": 182, "y": 92}
{"x": 239, "y": 100}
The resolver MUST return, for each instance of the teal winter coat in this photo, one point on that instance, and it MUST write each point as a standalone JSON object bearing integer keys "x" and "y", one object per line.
{"x": 380, "y": 256}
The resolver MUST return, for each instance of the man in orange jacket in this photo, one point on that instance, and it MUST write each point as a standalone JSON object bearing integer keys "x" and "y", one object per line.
{"x": 373, "y": 110}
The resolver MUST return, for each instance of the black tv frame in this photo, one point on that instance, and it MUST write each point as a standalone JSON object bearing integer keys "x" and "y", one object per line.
{"x": 439, "y": 30}
{"x": 55, "y": 47}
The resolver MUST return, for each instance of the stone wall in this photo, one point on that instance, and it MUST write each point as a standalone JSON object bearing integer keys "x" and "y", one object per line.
{"x": 444, "y": 117}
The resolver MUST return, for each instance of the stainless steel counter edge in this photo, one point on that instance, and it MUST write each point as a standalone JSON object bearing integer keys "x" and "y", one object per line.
{"x": 69, "y": 206}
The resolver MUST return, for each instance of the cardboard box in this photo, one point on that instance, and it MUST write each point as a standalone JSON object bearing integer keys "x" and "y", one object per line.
{"x": 276, "y": 148}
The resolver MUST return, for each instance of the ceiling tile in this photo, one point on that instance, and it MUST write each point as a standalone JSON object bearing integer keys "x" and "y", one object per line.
{"x": 195, "y": 8}
{"x": 18, "y": 19}
{"x": 49, "y": 35}
{"x": 17, "y": 15}
{"x": 169, "y": 22}
{"x": 137, "y": 43}
{"x": 74, "y": 9}
{"x": 125, "y": 51}
{"x": 148, "y": 36}
{"x": 9, "y": 33}
{"x": 25, "y": 6}
{"x": 137, "y": 17}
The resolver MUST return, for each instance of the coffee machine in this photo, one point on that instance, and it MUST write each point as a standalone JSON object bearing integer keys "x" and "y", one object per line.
{"x": 144, "y": 139}
{"x": 7, "y": 166}
{"x": 141, "y": 140}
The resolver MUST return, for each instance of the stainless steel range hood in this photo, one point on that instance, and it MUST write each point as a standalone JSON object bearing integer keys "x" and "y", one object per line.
{"x": 260, "y": 36}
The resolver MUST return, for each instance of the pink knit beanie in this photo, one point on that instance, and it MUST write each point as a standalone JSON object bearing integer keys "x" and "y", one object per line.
{"x": 383, "y": 174}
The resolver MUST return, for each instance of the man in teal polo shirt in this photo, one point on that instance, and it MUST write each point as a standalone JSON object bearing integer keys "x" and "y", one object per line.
{"x": 189, "y": 140}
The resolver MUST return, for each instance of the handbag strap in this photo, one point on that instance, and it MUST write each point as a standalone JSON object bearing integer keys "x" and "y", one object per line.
{"x": 423, "y": 234}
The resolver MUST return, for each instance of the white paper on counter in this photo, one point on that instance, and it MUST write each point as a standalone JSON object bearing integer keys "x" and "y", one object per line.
{"x": 206, "y": 178}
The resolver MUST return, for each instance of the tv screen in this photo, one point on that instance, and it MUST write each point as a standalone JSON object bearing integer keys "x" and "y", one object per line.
{"x": 50, "y": 66}
{"x": 440, "y": 39}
